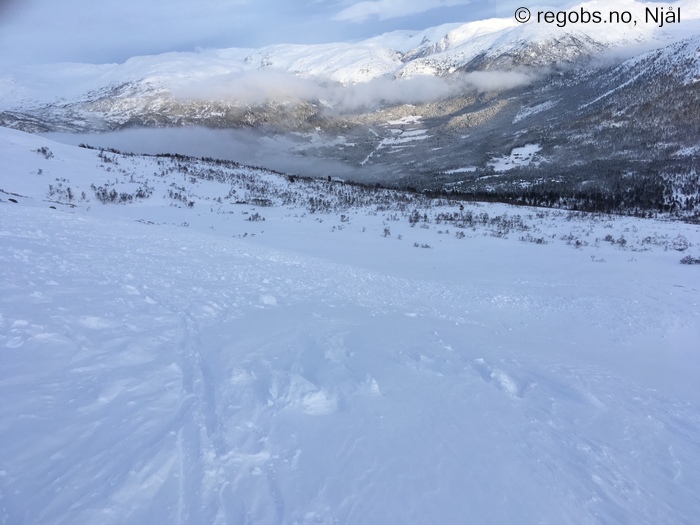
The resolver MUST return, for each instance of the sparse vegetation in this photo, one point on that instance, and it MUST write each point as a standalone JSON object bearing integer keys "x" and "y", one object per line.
{"x": 223, "y": 186}
{"x": 45, "y": 152}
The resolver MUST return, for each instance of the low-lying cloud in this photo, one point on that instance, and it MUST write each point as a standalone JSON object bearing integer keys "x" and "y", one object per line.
{"x": 264, "y": 86}
{"x": 498, "y": 80}
{"x": 249, "y": 87}
{"x": 245, "y": 146}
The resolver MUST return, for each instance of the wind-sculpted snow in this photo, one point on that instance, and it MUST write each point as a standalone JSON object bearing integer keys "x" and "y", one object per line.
{"x": 319, "y": 368}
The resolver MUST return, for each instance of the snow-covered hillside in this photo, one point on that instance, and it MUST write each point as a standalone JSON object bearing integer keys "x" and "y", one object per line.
{"x": 363, "y": 357}
{"x": 681, "y": 59}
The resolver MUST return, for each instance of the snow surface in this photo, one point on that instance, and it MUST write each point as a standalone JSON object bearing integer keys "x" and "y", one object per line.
{"x": 526, "y": 112}
{"x": 315, "y": 370}
{"x": 521, "y": 156}
{"x": 401, "y": 138}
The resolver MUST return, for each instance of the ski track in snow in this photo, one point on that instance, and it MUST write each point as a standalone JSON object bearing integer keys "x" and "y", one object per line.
{"x": 321, "y": 373}
{"x": 184, "y": 378}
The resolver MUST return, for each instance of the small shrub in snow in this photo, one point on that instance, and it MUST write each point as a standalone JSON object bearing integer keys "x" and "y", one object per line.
{"x": 46, "y": 152}
{"x": 688, "y": 259}
{"x": 530, "y": 238}
{"x": 680, "y": 243}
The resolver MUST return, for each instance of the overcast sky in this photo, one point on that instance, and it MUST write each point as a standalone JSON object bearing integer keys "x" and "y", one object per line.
{"x": 100, "y": 31}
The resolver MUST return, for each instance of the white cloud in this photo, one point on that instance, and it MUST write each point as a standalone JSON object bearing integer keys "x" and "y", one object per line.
{"x": 386, "y": 9}
{"x": 250, "y": 87}
{"x": 259, "y": 87}
{"x": 498, "y": 80}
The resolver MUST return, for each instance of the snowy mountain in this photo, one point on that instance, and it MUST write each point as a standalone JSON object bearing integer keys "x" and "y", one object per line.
{"x": 221, "y": 344}
{"x": 495, "y": 44}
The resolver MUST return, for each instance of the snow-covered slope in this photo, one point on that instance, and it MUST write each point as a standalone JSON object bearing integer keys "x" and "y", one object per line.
{"x": 378, "y": 360}
{"x": 681, "y": 59}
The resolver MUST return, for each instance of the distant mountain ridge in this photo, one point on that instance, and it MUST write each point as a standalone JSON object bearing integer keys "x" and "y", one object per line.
{"x": 443, "y": 50}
